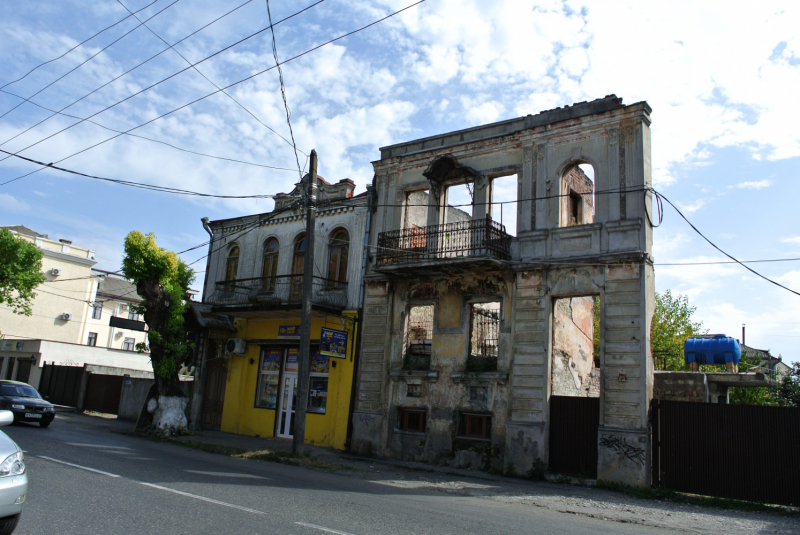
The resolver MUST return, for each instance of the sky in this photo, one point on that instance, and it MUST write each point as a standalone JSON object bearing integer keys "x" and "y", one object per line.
{"x": 721, "y": 82}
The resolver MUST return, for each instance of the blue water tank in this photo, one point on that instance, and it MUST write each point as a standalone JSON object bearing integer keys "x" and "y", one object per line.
{"x": 712, "y": 349}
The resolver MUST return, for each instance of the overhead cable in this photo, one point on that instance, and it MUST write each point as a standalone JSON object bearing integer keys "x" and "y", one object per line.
{"x": 208, "y": 95}
{"x": 163, "y": 189}
{"x": 164, "y": 80}
{"x": 88, "y": 60}
{"x": 126, "y": 17}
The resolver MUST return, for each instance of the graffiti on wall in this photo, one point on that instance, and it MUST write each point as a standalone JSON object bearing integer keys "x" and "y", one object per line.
{"x": 621, "y": 446}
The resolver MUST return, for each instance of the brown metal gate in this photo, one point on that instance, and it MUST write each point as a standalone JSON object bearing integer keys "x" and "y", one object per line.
{"x": 214, "y": 394}
{"x": 61, "y": 384}
{"x": 103, "y": 393}
{"x": 573, "y": 435}
{"x": 732, "y": 451}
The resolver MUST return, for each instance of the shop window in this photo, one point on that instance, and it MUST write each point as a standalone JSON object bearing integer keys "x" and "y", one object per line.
{"x": 270, "y": 269}
{"x": 338, "y": 251}
{"x": 475, "y": 426}
{"x": 129, "y": 344}
{"x": 318, "y": 384}
{"x": 503, "y": 207}
{"x": 419, "y": 338}
{"x": 484, "y": 336}
{"x": 267, "y": 397}
{"x": 92, "y": 341}
{"x": 577, "y": 196}
{"x": 411, "y": 420}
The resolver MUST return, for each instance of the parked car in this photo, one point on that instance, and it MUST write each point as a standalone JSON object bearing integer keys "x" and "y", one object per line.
{"x": 25, "y": 403}
{"x": 13, "y": 479}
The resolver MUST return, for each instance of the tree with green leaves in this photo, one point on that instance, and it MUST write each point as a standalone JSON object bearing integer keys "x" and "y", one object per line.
{"x": 672, "y": 326}
{"x": 20, "y": 272}
{"x": 788, "y": 392}
{"x": 162, "y": 281}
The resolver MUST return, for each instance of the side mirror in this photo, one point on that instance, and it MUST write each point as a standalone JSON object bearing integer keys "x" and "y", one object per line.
{"x": 6, "y": 418}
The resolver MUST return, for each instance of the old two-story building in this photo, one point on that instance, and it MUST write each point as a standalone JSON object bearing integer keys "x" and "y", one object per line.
{"x": 513, "y": 349}
{"x": 255, "y": 274}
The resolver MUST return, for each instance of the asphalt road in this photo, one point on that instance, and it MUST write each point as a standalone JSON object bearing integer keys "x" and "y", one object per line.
{"x": 87, "y": 480}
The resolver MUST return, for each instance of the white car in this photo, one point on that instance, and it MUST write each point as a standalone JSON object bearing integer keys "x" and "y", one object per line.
{"x": 13, "y": 479}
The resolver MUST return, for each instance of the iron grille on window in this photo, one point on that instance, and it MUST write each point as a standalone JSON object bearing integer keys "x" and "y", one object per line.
{"x": 485, "y": 329}
{"x": 419, "y": 338}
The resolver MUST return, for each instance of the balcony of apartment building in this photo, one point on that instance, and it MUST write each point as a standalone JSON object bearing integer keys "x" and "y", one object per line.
{"x": 453, "y": 222}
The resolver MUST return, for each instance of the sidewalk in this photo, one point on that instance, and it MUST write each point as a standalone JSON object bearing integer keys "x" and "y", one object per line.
{"x": 572, "y": 499}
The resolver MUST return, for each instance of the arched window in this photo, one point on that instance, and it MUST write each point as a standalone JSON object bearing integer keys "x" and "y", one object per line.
{"x": 577, "y": 196}
{"x": 270, "y": 270}
{"x": 232, "y": 267}
{"x": 339, "y": 249}
{"x": 298, "y": 261}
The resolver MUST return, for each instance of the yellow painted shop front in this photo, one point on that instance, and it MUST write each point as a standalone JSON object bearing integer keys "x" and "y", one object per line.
{"x": 260, "y": 394}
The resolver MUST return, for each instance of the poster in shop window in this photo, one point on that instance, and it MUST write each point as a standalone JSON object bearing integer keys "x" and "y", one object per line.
{"x": 333, "y": 343}
{"x": 292, "y": 358}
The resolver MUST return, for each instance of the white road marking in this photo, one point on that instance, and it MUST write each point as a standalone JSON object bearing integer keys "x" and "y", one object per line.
{"x": 97, "y": 446}
{"x": 203, "y": 498}
{"x": 225, "y": 474}
{"x": 79, "y": 466}
{"x": 322, "y": 528}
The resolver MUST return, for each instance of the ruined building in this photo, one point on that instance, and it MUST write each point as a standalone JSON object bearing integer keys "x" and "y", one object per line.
{"x": 513, "y": 348}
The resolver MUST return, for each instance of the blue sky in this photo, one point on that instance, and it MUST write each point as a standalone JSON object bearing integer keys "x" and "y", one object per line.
{"x": 722, "y": 84}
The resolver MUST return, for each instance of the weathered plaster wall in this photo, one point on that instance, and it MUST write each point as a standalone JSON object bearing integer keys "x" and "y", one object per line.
{"x": 573, "y": 346}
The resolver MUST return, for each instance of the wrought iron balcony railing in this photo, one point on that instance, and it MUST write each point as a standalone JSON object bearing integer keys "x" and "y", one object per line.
{"x": 278, "y": 291}
{"x": 464, "y": 239}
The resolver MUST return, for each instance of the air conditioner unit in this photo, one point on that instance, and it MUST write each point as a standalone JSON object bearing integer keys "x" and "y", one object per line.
{"x": 66, "y": 316}
{"x": 55, "y": 271}
{"x": 237, "y": 346}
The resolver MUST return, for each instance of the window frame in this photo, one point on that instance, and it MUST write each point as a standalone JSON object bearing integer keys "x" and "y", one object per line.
{"x": 132, "y": 315}
{"x": 465, "y": 426}
{"x": 272, "y": 258}
{"x": 91, "y": 340}
{"x": 402, "y": 420}
{"x": 97, "y": 310}
{"x": 232, "y": 262}
{"x": 271, "y": 373}
{"x": 342, "y": 259}
{"x": 129, "y": 341}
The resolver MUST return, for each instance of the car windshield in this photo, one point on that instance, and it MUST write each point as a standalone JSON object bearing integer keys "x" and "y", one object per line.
{"x": 20, "y": 391}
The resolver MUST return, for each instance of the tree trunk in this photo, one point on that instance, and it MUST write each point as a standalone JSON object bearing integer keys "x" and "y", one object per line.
{"x": 171, "y": 410}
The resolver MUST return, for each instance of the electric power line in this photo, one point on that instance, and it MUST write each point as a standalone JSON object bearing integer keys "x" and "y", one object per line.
{"x": 283, "y": 92}
{"x": 148, "y": 138}
{"x": 162, "y": 81}
{"x": 88, "y": 60}
{"x": 208, "y": 95}
{"x": 76, "y": 46}
{"x": 162, "y": 189}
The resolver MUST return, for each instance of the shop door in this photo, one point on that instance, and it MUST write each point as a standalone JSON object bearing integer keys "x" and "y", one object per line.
{"x": 288, "y": 401}
{"x": 214, "y": 394}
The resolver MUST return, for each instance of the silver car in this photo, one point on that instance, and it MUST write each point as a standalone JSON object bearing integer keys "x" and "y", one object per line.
{"x": 13, "y": 479}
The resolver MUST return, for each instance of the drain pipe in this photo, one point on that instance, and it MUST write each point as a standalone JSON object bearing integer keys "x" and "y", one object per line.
{"x": 201, "y": 348}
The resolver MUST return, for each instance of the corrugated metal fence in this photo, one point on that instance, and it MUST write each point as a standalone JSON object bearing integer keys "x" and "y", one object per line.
{"x": 61, "y": 384}
{"x": 573, "y": 435}
{"x": 732, "y": 451}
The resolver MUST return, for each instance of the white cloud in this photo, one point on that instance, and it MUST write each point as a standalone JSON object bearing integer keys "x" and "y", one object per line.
{"x": 793, "y": 239}
{"x": 753, "y": 185}
{"x": 485, "y": 113}
{"x": 12, "y": 204}
{"x": 691, "y": 208}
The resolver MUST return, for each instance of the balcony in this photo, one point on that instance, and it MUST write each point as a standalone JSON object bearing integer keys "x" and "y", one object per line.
{"x": 451, "y": 242}
{"x": 284, "y": 292}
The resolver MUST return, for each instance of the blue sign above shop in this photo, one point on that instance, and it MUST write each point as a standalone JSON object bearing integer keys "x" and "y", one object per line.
{"x": 333, "y": 343}
{"x": 289, "y": 331}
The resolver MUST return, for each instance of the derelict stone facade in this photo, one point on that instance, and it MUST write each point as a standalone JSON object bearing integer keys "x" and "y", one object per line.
{"x": 426, "y": 414}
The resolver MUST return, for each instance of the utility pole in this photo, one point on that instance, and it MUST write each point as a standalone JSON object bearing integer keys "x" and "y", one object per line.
{"x": 303, "y": 366}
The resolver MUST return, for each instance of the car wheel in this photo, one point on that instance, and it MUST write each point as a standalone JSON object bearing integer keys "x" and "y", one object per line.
{"x": 43, "y": 424}
{"x": 8, "y": 524}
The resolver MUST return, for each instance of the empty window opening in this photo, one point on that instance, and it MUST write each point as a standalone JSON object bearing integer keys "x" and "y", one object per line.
{"x": 475, "y": 426}
{"x": 576, "y": 347}
{"x": 577, "y": 196}
{"x": 484, "y": 336}
{"x": 419, "y": 338}
{"x": 411, "y": 420}
{"x": 458, "y": 203}
{"x": 503, "y": 207}
{"x": 416, "y": 212}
